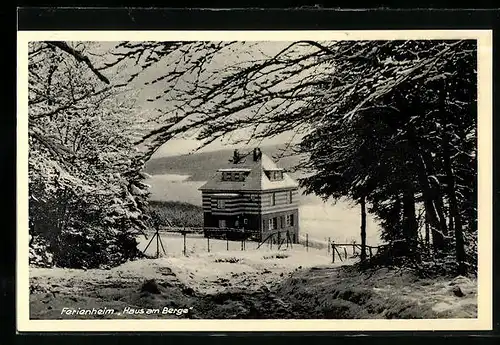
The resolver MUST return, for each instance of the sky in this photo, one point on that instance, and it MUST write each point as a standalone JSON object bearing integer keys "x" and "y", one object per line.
{"x": 185, "y": 146}
{"x": 240, "y": 53}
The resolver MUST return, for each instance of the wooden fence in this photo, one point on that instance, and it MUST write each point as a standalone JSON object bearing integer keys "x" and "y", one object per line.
{"x": 279, "y": 238}
{"x": 337, "y": 249}
{"x": 276, "y": 238}
{"x": 227, "y": 234}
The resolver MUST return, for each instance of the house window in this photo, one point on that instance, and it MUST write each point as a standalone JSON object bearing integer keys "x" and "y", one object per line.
{"x": 221, "y": 204}
{"x": 275, "y": 175}
{"x": 273, "y": 199}
{"x": 272, "y": 224}
{"x": 236, "y": 223}
{"x": 236, "y": 176}
{"x": 253, "y": 197}
{"x": 245, "y": 221}
{"x": 222, "y": 223}
{"x": 289, "y": 220}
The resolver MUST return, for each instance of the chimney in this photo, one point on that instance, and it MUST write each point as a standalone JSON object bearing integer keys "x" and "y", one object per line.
{"x": 256, "y": 154}
{"x": 236, "y": 157}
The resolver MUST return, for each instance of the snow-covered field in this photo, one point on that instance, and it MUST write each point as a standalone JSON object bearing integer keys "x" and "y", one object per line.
{"x": 250, "y": 284}
{"x": 228, "y": 266}
{"x": 228, "y": 282}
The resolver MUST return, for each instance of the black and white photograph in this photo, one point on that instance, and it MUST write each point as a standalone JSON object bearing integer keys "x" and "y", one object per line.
{"x": 257, "y": 177}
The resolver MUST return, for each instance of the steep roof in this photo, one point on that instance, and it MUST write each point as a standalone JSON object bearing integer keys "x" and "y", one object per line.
{"x": 254, "y": 181}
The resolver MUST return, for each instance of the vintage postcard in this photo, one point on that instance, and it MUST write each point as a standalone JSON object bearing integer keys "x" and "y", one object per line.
{"x": 275, "y": 180}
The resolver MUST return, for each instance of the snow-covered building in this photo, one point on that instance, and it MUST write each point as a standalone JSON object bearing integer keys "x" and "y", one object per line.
{"x": 253, "y": 194}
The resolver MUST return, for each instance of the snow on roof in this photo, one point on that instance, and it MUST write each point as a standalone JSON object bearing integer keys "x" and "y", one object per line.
{"x": 235, "y": 169}
{"x": 256, "y": 179}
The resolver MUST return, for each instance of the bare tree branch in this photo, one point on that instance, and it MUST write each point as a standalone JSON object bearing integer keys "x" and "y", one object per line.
{"x": 79, "y": 57}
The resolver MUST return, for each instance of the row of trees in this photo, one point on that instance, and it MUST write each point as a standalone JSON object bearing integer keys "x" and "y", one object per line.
{"x": 388, "y": 124}
{"x": 410, "y": 152}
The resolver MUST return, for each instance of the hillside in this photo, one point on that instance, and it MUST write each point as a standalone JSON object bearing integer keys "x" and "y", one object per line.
{"x": 202, "y": 165}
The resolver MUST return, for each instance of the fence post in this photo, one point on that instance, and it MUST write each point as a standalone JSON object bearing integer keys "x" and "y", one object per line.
{"x": 279, "y": 238}
{"x": 333, "y": 251}
{"x": 208, "y": 243}
{"x": 271, "y": 241}
{"x": 370, "y": 252}
{"x": 328, "y": 246}
{"x": 157, "y": 244}
{"x": 345, "y": 252}
{"x": 184, "y": 238}
{"x": 307, "y": 242}
{"x": 227, "y": 241}
{"x": 353, "y": 248}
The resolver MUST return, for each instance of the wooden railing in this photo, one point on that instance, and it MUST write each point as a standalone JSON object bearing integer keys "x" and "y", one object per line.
{"x": 281, "y": 238}
{"x": 338, "y": 247}
{"x": 228, "y": 234}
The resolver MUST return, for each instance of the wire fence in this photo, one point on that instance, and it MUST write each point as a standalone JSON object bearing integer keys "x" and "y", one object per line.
{"x": 175, "y": 240}
{"x": 190, "y": 240}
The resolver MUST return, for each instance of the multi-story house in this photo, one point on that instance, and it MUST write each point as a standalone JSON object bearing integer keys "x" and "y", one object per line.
{"x": 252, "y": 194}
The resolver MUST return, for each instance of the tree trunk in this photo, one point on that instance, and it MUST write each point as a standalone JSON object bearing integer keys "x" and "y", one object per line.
{"x": 397, "y": 220}
{"x": 436, "y": 195}
{"x": 363, "y": 229}
{"x": 410, "y": 226}
{"x": 427, "y": 234}
{"x": 454, "y": 210}
{"x": 432, "y": 213}
{"x": 450, "y": 186}
{"x": 451, "y": 222}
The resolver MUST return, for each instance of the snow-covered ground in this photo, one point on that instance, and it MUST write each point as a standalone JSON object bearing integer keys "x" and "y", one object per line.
{"x": 227, "y": 266}
{"x": 381, "y": 293}
{"x": 249, "y": 284}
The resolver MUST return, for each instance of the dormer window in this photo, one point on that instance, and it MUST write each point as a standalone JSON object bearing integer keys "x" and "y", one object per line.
{"x": 275, "y": 175}
{"x": 235, "y": 175}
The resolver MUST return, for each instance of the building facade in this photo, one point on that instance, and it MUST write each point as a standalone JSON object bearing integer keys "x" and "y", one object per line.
{"x": 252, "y": 194}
